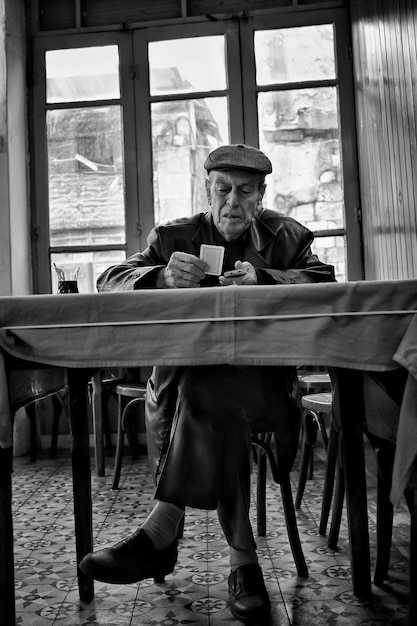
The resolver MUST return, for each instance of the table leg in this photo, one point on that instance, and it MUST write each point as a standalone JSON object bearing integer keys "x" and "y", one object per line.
{"x": 7, "y": 598}
{"x": 81, "y": 473}
{"x": 412, "y": 618}
{"x": 349, "y": 398}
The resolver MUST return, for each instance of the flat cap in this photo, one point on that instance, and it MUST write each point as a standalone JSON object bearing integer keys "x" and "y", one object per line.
{"x": 240, "y": 157}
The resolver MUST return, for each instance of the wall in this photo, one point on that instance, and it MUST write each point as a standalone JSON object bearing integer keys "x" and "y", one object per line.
{"x": 5, "y": 274}
{"x": 385, "y": 52}
{"x": 15, "y": 277}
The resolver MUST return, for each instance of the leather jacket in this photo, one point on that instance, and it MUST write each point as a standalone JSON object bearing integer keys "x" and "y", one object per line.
{"x": 277, "y": 246}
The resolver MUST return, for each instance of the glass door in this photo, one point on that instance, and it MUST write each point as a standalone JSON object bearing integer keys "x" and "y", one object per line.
{"x": 82, "y": 174}
{"x": 299, "y": 109}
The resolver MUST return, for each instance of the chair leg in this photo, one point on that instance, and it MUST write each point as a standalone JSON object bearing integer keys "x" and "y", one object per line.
{"x": 311, "y": 464}
{"x": 130, "y": 427}
{"x": 329, "y": 477}
{"x": 306, "y": 462}
{"x": 119, "y": 444}
{"x": 302, "y": 477}
{"x": 322, "y": 428}
{"x": 122, "y": 426}
{"x": 97, "y": 411}
{"x": 106, "y": 420}
{"x": 385, "y": 512}
{"x": 31, "y": 414}
{"x": 337, "y": 512}
{"x": 57, "y": 410}
{"x": 180, "y": 531}
{"x": 261, "y": 494}
{"x": 292, "y": 528}
{"x": 264, "y": 451}
{"x": 411, "y": 497}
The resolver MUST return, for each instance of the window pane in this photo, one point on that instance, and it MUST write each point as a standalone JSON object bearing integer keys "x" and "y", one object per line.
{"x": 332, "y": 250}
{"x": 299, "y": 131}
{"x": 183, "y": 134}
{"x": 89, "y": 264}
{"x": 295, "y": 54}
{"x": 86, "y": 176}
{"x": 82, "y": 74}
{"x": 181, "y": 65}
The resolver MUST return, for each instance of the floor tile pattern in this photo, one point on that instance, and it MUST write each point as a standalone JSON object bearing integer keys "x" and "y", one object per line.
{"x": 196, "y": 592}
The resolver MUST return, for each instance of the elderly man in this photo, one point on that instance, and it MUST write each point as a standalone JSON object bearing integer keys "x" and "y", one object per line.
{"x": 200, "y": 419}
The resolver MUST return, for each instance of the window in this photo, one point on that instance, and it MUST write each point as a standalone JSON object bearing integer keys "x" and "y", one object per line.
{"x": 81, "y": 173}
{"x": 85, "y": 160}
{"x": 299, "y": 129}
{"x": 186, "y": 129}
{"x": 302, "y": 112}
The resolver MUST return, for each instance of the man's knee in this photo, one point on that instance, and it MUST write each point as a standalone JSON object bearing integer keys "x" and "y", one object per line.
{"x": 220, "y": 390}
{"x": 208, "y": 390}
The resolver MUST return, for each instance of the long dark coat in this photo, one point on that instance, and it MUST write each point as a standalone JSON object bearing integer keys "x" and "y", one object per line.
{"x": 277, "y": 246}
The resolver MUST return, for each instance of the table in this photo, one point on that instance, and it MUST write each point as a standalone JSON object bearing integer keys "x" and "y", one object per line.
{"x": 349, "y": 327}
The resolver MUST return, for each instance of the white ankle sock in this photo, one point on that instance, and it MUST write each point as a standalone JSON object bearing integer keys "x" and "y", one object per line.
{"x": 161, "y": 526}
{"x": 242, "y": 557}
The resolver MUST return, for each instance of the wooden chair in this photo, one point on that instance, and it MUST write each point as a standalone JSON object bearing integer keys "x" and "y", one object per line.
{"x": 263, "y": 445}
{"x": 311, "y": 424}
{"x": 318, "y": 418}
{"x": 100, "y": 387}
{"x": 129, "y": 394}
{"x": 384, "y": 452}
{"x": 334, "y": 490}
{"x": 316, "y": 413}
{"x": 58, "y": 406}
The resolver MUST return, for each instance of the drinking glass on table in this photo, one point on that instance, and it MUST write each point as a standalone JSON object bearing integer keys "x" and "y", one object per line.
{"x": 67, "y": 279}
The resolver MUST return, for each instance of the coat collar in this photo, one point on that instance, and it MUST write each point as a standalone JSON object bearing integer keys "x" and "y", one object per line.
{"x": 260, "y": 236}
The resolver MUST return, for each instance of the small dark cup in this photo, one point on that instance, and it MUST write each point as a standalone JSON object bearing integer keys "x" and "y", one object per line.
{"x": 67, "y": 286}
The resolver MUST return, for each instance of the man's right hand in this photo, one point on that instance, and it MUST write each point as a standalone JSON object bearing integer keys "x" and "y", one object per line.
{"x": 183, "y": 270}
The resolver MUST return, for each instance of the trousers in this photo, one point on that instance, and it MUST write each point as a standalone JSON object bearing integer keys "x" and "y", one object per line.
{"x": 208, "y": 461}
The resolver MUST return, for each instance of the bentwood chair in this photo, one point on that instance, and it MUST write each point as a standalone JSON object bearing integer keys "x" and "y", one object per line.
{"x": 312, "y": 422}
{"x": 334, "y": 489}
{"x": 265, "y": 452}
{"x": 129, "y": 395}
{"x": 317, "y": 415}
{"x": 263, "y": 444}
{"x": 277, "y": 451}
{"x": 100, "y": 388}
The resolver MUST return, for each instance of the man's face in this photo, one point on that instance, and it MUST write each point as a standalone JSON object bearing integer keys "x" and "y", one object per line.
{"x": 234, "y": 197}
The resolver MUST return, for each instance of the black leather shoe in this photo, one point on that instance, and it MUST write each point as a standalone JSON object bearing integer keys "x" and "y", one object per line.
{"x": 249, "y": 601}
{"x": 130, "y": 560}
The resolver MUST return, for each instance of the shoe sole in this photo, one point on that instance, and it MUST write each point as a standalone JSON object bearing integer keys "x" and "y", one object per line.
{"x": 118, "y": 577}
{"x": 259, "y": 620}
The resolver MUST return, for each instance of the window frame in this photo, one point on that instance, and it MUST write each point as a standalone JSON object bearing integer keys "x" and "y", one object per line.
{"x": 41, "y": 249}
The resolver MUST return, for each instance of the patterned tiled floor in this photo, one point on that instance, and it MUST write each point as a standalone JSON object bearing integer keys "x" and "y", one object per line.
{"x": 196, "y": 592}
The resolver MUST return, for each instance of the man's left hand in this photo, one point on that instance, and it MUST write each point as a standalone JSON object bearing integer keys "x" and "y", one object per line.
{"x": 248, "y": 278}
